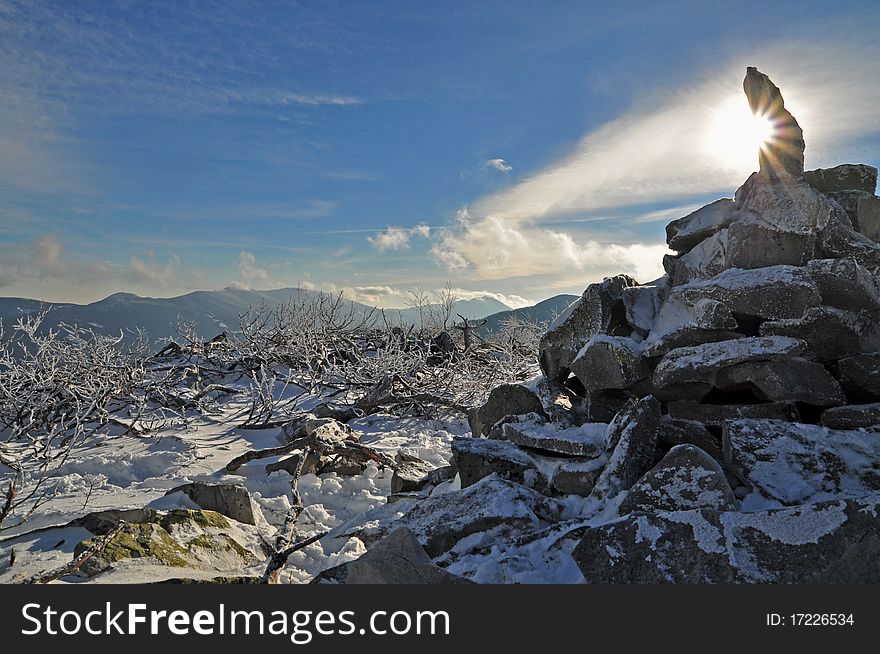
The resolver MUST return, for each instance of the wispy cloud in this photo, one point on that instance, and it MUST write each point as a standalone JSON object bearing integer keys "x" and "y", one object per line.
{"x": 150, "y": 272}
{"x": 47, "y": 260}
{"x": 498, "y": 164}
{"x": 661, "y": 150}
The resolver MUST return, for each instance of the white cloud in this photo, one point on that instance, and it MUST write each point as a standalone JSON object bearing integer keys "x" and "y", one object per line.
{"x": 250, "y": 275}
{"x": 397, "y": 238}
{"x": 370, "y": 294}
{"x": 492, "y": 249}
{"x": 498, "y": 164}
{"x": 513, "y": 301}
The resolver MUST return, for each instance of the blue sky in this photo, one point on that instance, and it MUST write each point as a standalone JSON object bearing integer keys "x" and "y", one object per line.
{"x": 517, "y": 148}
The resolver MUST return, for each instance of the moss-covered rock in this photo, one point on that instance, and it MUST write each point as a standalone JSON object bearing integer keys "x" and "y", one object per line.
{"x": 180, "y": 538}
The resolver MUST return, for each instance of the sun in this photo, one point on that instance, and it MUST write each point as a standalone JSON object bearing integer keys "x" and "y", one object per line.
{"x": 736, "y": 135}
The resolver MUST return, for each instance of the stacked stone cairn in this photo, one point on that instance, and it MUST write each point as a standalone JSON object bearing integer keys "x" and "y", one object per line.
{"x": 722, "y": 421}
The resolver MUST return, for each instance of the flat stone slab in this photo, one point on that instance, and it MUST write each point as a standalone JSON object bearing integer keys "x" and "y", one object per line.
{"x": 715, "y": 415}
{"x": 853, "y": 416}
{"x": 477, "y": 458}
{"x": 701, "y": 363}
{"x": 586, "y": 440}
{"x": 770, "y": 293}
{"x": 830, "y": 333}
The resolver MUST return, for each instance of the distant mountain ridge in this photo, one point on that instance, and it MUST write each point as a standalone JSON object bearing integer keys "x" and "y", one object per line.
{"x": 211, "y": 311}
{"x": 542, "y": 312}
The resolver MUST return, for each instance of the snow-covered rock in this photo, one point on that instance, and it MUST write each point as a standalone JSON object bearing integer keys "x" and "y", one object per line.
{"x": 632, "y": 441}
{"x": 844, "y": 177}
{"x": 686, "y": 478}
{"x": 715, "y": 415}
{"x": 798, "y": 463}
{"x": 441, "y": 521}
{"x": 845, "y": 284}
{"x": 863, "y": 210}
{"x": 852, "y": 416}
{"x": 827, "y": 542}
{"x": 839, "y": 240}
{"x": 396, "y": 559}
{"x": 478, "y": 458}
{"x": 586, "y": 440}
{"x": 685, "y": 233}
{"x": 600, "y": 310}
{"x": 610, "y": 362}
{"x": 860, "y": 376}
{"x": 642, "y": 303}
{"x": 504, "y": 400}
{"x": 702, "y": 363}
{"x": 792, "y": 379}
{"x": 411, "y": 473}
{"x": 771, "y": 293}
{"x": 830, "y": 333}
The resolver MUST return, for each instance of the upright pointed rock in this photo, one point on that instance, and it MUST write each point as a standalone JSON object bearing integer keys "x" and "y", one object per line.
{"x": 783, "y": 154}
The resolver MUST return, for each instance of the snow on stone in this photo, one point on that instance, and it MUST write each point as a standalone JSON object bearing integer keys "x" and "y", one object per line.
{"x": 798, "y": 464}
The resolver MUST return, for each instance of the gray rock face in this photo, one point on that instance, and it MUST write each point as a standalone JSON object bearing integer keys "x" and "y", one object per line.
{"x": 396, "y": 559}
{"x": 679, "y": 324}
{"x": 685, "y": 233}
{"x": 715, "y": 415}
{"x": 439, "y": 522}
{"x": 863, "y": 210}
{"x": 504, "y": 400}
{"x": 643, "y": 303}
{"x": 599, "y": 311}
{"x": 632, "y": 440}
{"x": 783, "y": 155}
{"x": 477, "y": 458}
{"x": 790, "y": 380}
{"x": 686, "y": 478}
{"x": 830, "y": 333}
{"x": 853, "y": 416}
{"x": 686, "y": 432}
{"x": 702, "y": 363}
{"x": 772, "y": 293}
{"x": 410, "y": 475}
{"x": 839, "y": 240}
{"x": 231, "y": 500}
{"x": 843, "y": 178}
{"x": 797, "y": 463}
{"x": 610, "y": 362}
{"x": 860, "y": 376}
{"x": 576, "y": 477}
{"x": 789, "y": 206}
{"x": 845, "y": 284}
{"x": 585, "y": 440}
{"x": 829, "y": 542}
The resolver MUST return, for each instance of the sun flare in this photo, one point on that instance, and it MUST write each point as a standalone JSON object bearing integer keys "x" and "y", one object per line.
{"x": 736, "y": 135}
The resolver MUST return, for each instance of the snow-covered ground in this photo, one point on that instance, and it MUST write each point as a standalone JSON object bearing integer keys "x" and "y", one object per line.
{"x": 126, "y": 471}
